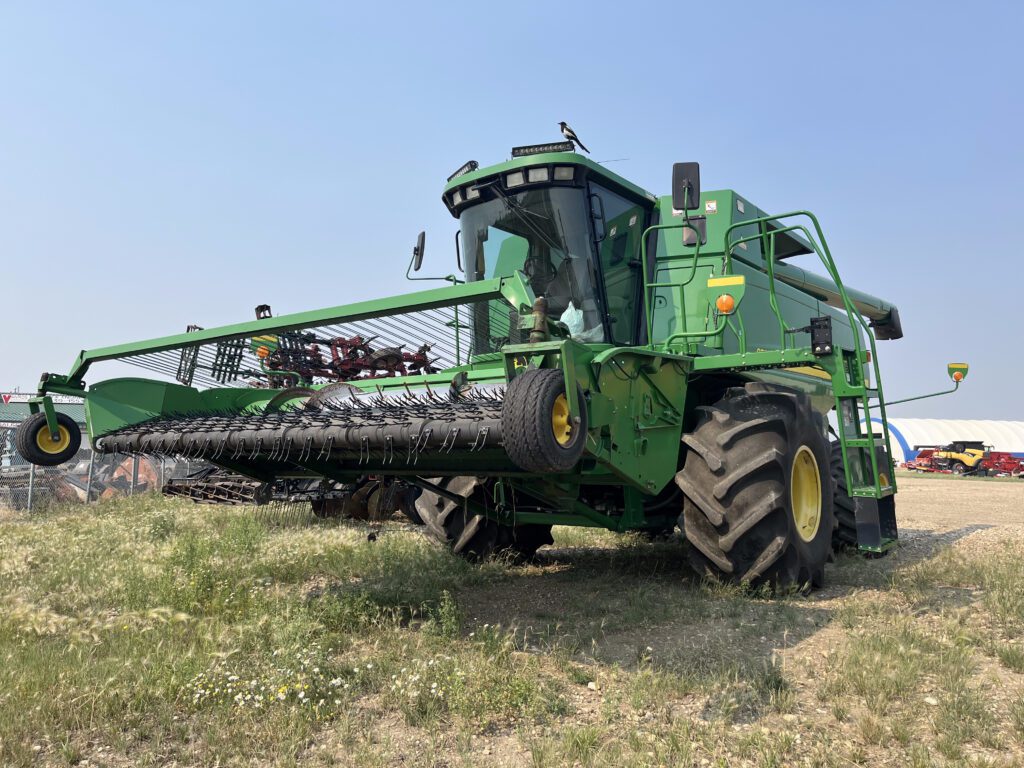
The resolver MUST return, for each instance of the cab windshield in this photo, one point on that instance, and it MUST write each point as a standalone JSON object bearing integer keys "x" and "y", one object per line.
{"x": 543, "y": 233}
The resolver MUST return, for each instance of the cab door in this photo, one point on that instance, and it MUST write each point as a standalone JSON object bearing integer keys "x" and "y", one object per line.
{"x": 619, "y": 224}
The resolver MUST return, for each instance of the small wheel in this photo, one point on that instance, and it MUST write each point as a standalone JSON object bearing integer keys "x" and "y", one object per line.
{"x": 958, "y": 468}
{"x": 537, "y": 429}
{"x": 293, "y": 397}
{"x": 37, "y": 446}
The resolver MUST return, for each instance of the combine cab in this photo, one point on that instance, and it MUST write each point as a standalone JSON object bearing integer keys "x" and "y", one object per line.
{"x": 608, "y": 358}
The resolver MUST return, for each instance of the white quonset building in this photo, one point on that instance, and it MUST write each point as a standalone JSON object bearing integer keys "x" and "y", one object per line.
{"x": 906, "y": 433}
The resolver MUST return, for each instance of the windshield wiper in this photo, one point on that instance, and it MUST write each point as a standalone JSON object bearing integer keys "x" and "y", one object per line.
{"x": 520, "y": 212}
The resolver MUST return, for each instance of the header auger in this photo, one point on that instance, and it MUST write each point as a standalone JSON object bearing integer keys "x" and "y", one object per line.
{"x": 608, "y": 358}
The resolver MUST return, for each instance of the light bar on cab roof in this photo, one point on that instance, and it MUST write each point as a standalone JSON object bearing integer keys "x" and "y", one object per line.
{"x": 539, "y": 149}
{"x": 467, "y": 167}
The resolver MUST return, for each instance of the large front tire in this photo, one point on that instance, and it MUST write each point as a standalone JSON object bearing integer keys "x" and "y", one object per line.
{"x": 757, "y": 485}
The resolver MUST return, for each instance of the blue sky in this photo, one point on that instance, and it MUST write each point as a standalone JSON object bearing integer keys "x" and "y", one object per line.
{"x": 176, "y": 163}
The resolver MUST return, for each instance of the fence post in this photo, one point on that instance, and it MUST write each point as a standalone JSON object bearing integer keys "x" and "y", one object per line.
{"x": 161, "y": 473}
{"x": 135, "y": 473}
{"x": 88, "y": 480}
{"x": 31, "y": 484}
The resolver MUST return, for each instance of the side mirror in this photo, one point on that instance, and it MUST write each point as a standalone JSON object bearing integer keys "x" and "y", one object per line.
{"x": 957, "y": 372}
{"x": 417, "y": 252}
{"x": 686, "y": 186}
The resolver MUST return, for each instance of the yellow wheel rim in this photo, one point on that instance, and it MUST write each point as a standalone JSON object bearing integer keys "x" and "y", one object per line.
{"x": 805, "y": 493}
{"x": 560, "y": 424}
{"x": 48, "y": 445}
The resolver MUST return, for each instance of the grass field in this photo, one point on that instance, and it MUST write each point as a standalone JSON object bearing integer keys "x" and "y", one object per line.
{"x": 151, "y": 632}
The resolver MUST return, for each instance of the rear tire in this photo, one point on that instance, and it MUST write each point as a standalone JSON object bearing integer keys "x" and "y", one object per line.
{"x": 355, "y": 505}
{"x": 475, "y": 536}
{"x": 845, "y": 534}
{"x": 758, "y": 506}
{"x": 958, "y": 468}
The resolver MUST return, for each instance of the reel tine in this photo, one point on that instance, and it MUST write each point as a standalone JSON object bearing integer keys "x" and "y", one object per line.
{"x": 328, "y": 446}
{"x": 481, "y": 439}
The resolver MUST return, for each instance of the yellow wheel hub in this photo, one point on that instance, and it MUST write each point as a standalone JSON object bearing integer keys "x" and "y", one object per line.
{"x": 561, "y": 427}
{"x": 47, "y": 444}
{"x": 805, "y": 493}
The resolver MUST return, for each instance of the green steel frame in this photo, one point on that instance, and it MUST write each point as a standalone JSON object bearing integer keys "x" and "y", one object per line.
{"x": 512, "y": 288}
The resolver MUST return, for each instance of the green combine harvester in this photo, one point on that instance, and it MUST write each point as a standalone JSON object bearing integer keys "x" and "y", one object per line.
{"x": 610, "y": 358}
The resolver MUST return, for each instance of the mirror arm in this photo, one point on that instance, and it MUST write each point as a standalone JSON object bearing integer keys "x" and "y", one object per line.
{"x": 956, "y": 386}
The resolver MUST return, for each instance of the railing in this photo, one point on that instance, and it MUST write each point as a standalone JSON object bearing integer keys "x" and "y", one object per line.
{"x": 650, "y": 287}
{"x": 844, "y": 389}
{"x": 819, "y": 245}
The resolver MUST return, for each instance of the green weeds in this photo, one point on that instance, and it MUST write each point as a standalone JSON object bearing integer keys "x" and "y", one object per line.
{"x": 149, "y": 631}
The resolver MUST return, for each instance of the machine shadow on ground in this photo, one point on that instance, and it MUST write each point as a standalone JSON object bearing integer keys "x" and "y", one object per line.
{"x": 635, "y": 602}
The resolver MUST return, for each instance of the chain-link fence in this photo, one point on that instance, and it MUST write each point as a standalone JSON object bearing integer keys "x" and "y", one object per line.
{"x": 89, "y": 476}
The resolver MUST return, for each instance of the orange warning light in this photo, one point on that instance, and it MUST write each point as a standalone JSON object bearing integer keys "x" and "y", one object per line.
{"x": 958, "y": 376}
{"x": 262, "y": 352}
{"x": 725, "y": 303}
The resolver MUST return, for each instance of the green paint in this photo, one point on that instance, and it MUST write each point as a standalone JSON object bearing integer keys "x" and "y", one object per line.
{"x": 665, "y": 347}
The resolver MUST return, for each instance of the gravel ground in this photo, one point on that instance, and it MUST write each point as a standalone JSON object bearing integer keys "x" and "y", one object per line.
{"x": 967, "y": 512}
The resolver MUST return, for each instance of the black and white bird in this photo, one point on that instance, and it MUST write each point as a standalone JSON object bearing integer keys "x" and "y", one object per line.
{"x": 570, "y": 135}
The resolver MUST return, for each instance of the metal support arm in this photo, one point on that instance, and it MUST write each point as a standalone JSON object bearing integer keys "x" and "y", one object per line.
{"x": 956, "y": 386}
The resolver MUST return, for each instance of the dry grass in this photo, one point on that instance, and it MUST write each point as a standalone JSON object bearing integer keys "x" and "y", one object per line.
{"x": 150, "y": 632}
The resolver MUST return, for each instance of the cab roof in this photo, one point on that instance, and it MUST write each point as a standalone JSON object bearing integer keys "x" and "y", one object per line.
{"x": 548, "y": 158}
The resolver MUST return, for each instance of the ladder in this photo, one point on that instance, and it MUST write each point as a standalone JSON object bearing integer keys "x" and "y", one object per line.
{"x": 867, "y": 457}
{"x": 867, "y": 464}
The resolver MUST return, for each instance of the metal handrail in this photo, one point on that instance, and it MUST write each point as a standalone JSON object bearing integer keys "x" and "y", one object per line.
{"x": 825, "y": 256}
{"x": 648, "y": 286}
